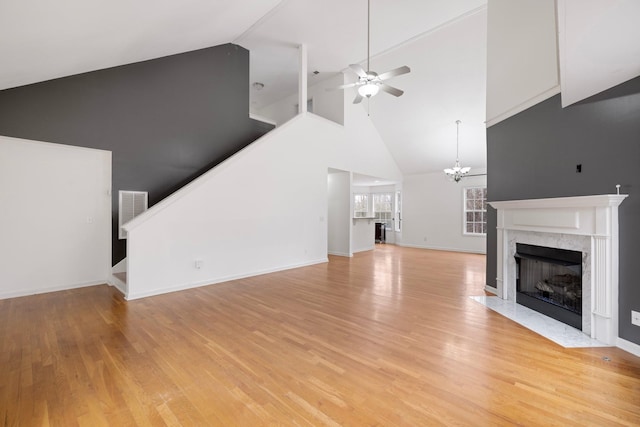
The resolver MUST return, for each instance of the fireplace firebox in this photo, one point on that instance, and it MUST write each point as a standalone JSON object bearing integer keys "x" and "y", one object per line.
{"x": 549, "y": 280}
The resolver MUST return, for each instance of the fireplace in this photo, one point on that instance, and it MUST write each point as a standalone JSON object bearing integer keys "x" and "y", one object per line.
{"x": 587, "y": 224}
{"x": 549, "y": 280}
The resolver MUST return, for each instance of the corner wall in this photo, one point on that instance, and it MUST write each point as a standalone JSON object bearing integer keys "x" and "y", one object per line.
{"x": 534, "y": 155}
{"x": 55, "y": 217}
{"x": 522, "y": 56}
{"x": 339, "y": 213}
{"x": 166, "y": 120}
{"x": 326, "y": 103}
{"x": 432, "y": 209}
{"x": 265, "y": 209}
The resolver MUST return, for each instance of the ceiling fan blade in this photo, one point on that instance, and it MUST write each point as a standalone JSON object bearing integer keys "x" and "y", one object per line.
{"x": 397, "y": 72}
{"x": 342, "y": 87}
{"x": 358, "y": 99}
{"x": 390, "y": 89}
{"x": 357, "y": 68}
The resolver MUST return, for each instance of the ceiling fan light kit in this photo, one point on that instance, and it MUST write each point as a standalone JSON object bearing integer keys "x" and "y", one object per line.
{"x": 369, "y": 82}
{"x": 457, "y": 172}
{"x": 368, "y": 90}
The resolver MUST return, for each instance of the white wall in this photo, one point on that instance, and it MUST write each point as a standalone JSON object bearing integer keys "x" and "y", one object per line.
{"x": 339, "y": 213}
{"x": 522, "y": 56}
{"x": 55, "y": 217}
{"x": 262, "y": 210}
{"x": 363, "y": 235}
{"x": 599, "y": 46}
{"x": 327, "y": 104}
{"x": 432, "y": 213}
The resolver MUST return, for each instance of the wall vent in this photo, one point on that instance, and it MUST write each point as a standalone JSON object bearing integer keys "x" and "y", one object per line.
{"x": 130, "y": 205}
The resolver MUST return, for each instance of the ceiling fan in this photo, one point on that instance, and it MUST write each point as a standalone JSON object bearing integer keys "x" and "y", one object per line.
{"x": 369, "y": 82}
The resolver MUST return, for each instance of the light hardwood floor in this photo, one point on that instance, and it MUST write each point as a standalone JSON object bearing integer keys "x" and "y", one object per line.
{"x": 389, "y": 337}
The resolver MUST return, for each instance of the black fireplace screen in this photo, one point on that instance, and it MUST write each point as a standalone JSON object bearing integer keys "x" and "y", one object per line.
{"x": 549, "y": 280}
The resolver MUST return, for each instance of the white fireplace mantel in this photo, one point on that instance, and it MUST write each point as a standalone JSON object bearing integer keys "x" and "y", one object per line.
{"x": 593, "y": 216}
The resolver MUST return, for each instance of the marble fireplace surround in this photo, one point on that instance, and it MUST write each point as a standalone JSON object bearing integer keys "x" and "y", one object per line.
{"x": 588, "y": 224}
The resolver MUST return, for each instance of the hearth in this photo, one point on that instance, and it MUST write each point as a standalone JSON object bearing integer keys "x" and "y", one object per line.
{"x": 588, "y": 224}
{"x": 549, "y": 280}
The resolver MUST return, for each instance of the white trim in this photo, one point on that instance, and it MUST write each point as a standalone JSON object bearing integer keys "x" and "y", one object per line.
{"x": 465, "y": 233}
{"x": 564, "y": 218}
{"x": 600, "y": 200}
{"x": 302, "y": 79}
{"x": 628, "y": 346}
{"x": 118, "y": 284}
{"x": 442, "y": 248}
{"x": 184, "y": 286}
{"x": 19, "y": 293}
{"x": 523, "y": 106}
{"x": 364, "y": 249}
{"x": 340, "y": 254}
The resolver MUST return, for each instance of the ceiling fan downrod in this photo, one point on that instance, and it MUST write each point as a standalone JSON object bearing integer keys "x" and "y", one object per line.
{"x": 368, "y": 35}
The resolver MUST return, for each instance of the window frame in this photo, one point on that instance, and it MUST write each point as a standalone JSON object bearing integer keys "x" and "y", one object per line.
{"x": 388, "y": 214}
{"x": 474, "y": 210}
{"x": 366, "y": 200}
{"x": 398, "y": 212}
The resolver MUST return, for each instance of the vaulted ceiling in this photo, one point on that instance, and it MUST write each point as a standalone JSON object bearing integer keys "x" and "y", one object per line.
{"x": 442, "y": 41}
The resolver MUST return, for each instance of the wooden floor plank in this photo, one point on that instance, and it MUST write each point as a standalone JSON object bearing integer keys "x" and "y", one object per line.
{"x": 388, "y": 337}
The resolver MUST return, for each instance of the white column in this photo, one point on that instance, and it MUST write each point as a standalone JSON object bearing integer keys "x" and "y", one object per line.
{"x": 601, "y": 301}
{"x": 501, "y": 255}
{"x": 302, "y": 80}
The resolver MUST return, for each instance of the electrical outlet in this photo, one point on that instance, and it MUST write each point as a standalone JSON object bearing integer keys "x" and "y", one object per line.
{"x": 635, "y": 318}
{"x": 198, "y": 264}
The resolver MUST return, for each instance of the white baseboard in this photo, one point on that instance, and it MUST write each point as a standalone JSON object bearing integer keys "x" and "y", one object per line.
{"x": 181, "y": 287}
{"x": 364, "y": 249}
{"x": 628, "y": 346}
{"x": 341, "y": 254}
{"x": 117, "y": 283}
{"x": 440, "y": 248}
{"x": 27, "y": 292}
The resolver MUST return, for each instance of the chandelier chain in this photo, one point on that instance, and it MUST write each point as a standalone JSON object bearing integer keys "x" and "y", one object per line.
{"x": 457, "y": 172}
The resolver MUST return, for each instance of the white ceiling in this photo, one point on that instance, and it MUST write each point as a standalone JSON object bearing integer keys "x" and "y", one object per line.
{"x": 599, "y": 46}
{"x": 41, "y": 40}
{"x": 443, "y": 41}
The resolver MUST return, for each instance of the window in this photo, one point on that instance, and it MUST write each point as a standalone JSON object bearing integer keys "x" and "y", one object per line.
{"x": 398, "y": 217}
{"x": 360, "y": 205}
{"x": 383, "y": 207}
{"x": 475, "y": 211}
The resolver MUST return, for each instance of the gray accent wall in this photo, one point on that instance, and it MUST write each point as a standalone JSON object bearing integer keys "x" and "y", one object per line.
{"x": 534, "y": 155}
{"x": 166, "y": 120}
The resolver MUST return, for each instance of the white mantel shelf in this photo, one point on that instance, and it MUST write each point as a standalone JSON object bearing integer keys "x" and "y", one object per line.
{"x": 595, "y": 217}
{"x": 562, "y": 202}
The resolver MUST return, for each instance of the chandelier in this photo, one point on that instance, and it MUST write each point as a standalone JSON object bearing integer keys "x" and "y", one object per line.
{"x": 456, "y": 172}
